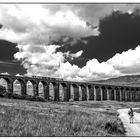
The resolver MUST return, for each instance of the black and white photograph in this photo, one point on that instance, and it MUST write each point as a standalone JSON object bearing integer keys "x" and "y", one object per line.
{"x": 69, "y": 69}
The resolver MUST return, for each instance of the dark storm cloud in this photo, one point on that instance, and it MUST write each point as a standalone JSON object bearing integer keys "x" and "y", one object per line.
{"x": 118, "y": 32}
{"x": 88, "y": 11}
{"x": 7, "y": 62}
{"x": 7, "y": 50}
{"x": 0, "y": 26}
{"x": 12, "y": 68}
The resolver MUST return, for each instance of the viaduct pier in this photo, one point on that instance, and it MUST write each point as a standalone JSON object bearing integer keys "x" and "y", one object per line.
{"x": 73, "y": 91}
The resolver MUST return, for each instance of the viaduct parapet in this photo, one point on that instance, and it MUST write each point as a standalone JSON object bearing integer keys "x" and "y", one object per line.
{"x": 74, "y": 91}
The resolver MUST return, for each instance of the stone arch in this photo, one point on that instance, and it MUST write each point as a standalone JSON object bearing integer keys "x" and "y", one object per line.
{"x": 132, "y": 94}
{"x": 104, "y": 92}
{"x": 83, "y": 92}
{"x": 74, "y": 92}
{"x": 5, "y": 82}
{"x": 138, "y": 94}
{"x": 40, "y": 89}
{"x": 31, "y": 88}
{"x": 43, "y": 89}
{"x": 18, "y": 86}
{"x": 127, "y": 94}
{"x": 117, "y": 94}
{"x": 91, "y": 92}
{"x": 122, "y": 94}
{"x": 110, "y": 94}
{"x": 71, "y": 93}
{"x": 80, "y": 93}
{"x": 53, "y": 91}
{"x": 87, "y": 91}
{"x": 98, "y": 93}
{"x": 63, "y": 92}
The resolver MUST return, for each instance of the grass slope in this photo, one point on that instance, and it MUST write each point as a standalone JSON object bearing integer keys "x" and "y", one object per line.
{"x": 26, "y": 118}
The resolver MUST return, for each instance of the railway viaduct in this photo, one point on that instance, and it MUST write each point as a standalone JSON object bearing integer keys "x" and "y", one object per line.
{"x": 74, "y": 91}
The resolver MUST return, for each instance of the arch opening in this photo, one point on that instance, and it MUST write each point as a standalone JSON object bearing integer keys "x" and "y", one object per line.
{"x": 137, "y": 95}
{"x": 104, "y": 93}
{"x": 128, "y": 94}
{"x": 98, "y": 93}
{"x": 117, "y": 94}
{"x": 83, "y": 92}
{"x": 4, "y": 82}
{"x": 110, "y": 93}
{"x": 132, "y": 94}
{"x": 74, "y": 92}
{"x": 63, "y": 92}
{"x": 53, "y": 92}
{"x": 91, "y": 92}
{"x": 41, "y": 89}
{"x": 17, "y": 87}
{"x": 123, "y": 94}
{"x": 30, "y": 88}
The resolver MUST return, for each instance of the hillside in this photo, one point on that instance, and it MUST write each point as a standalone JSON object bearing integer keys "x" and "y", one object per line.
{"x": 129, "y": 80}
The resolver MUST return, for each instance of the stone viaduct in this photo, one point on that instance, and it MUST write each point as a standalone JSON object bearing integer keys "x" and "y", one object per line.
{"x": 74, "y": 91}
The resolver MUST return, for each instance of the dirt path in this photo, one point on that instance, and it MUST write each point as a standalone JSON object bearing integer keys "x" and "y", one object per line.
{"x": 131, "y": 129}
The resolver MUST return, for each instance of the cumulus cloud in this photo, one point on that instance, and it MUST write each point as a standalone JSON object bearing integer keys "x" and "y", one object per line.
{"x": 47, "y": 62}
{"x": 38, "y": 25}
{"x": 69, "y": 71}
{"x": 5, "y": 73}
{"x": 34, "y": 27}
{"x": 96, "y": 70}
{"x": 52, "y": 63}
{"x": 39, "y": 62}
{"x": 18, "y": 75}
{"x": 127, "y": 62}
{"x": 74, "y": 55}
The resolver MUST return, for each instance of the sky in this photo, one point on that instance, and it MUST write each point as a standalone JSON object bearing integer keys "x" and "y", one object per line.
{"x": 80, "y": 42}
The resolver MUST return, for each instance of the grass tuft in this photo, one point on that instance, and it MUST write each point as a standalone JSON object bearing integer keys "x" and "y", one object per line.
{"x": 113, "y": 126}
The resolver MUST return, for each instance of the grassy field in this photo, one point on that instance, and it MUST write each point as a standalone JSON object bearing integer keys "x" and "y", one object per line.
{"x": 86, "y": 118}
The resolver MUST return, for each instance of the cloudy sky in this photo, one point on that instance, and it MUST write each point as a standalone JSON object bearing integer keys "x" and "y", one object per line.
{"x": 71, "y": 41}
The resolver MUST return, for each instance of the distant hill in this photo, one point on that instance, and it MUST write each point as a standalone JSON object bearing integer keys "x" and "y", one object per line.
{"x": 128, "y": 80}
